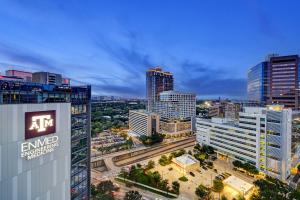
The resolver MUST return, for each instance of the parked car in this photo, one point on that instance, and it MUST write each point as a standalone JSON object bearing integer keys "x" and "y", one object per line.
{"x": 192, "y": 174}
{"x": 205, "y": 168}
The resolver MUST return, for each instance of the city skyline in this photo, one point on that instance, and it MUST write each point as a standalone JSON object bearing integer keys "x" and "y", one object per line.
{"x": 111, "y": 44}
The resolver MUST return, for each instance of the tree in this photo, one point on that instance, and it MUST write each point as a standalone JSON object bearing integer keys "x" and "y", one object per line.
{"x": 176, "y": 187}
{"x": 203, "y": 192}
{"x": 294, "y": 195}
{"x": 156, "y": 178}
{"x": 133, "y": 195}
{"x": 223, "y": 197}
{"x": 105, "y": 187}
{"x": 129, "y": 143}
{"x": 93, "y": 190}
{"x": 240, "y": 197}
{"x": 218, "y": 185}
{"x": 150, "y": 165}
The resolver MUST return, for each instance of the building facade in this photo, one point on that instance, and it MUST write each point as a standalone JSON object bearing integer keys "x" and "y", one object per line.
{"x": 284, "y": 81}
{"x": 47, "y": 78}
{"x": 257, "y": 83}
{"x": 261, "y": 137}
{"x": 174, "y": 105}
{"x": 28, "y": 171}
{"x": 157, "y": 81}
{"x": 275, "y": 81}
{"x": 142, "y": 122}
{"x": 232, "y": 110}
{"x": 27, "y": 94}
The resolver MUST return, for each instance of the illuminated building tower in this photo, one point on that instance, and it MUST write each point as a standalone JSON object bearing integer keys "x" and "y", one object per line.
{"x": 284, "y": 81}
{"x": 157, "y": 81}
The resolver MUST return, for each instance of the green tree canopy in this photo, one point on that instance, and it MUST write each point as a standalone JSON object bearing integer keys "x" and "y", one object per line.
{"x": 133, "y": 195}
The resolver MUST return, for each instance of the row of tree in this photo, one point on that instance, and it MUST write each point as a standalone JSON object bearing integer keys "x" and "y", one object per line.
{"x": 104, "y": 191}
{"x": 271, "y": 187}
{"x": 246, "y": 166}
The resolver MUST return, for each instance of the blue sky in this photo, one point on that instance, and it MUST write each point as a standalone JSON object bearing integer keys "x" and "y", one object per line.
{"x": 208, "y": 45}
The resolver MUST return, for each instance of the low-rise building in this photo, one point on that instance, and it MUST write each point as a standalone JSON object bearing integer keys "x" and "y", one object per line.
{"x": 175, "y": 127}
{"x": 185, "y": 163}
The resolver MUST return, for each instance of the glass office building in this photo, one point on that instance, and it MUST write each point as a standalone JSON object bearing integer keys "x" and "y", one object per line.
{"x": 78, "y": 98}
{"x": 275, "y": 81}
{"x": 257, "y": 85}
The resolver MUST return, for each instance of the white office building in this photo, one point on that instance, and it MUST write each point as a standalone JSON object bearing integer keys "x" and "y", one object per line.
{"x": 262, "y": 137}
{"x": 142, "y": 122}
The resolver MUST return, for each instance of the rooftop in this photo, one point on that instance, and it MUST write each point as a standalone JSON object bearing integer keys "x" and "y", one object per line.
{"x": 186, "y": 159}
{"x": 238, "y": 184}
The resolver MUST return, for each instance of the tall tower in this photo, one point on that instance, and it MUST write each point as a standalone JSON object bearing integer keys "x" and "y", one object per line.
{"x": 275, "y": 81}
{"x": 284, "y": 81}
{"x": 157, "y": 81}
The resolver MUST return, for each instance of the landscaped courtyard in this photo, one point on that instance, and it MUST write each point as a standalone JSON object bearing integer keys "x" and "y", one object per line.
{"x": 190, "y": 180}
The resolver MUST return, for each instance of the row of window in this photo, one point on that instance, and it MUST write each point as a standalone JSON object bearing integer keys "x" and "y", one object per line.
{"x": 234, "y": 145}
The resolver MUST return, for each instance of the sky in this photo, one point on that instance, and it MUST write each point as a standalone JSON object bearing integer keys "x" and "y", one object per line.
{"x": 208, "y": 45}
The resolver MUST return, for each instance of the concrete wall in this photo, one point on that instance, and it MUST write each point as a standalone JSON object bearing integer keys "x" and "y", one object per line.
{"x": 45, "y": 177}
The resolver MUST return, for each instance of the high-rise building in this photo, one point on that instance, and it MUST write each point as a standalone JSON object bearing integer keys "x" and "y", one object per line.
{"x": 257, "y": 85}
{"x": 47, "y": 78}
{"x": 275, "y": 81}
{"x": 157, "y": 81}
{"x": 142, "y": 122}
{"x": 261, "y": 137}
{"x": 44, "y": 141}
{"x": 284, "y": 81}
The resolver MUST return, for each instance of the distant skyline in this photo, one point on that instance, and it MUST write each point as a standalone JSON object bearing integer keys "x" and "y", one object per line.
{"x": 207, "y": 45}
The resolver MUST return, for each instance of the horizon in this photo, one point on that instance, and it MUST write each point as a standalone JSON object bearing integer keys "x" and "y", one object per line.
{"x": 111, "y": 44}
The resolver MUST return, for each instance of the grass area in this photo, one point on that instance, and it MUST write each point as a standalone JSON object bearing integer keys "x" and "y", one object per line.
{"x": 120, "y": 179}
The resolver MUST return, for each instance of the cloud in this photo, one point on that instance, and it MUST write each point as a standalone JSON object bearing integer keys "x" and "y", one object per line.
{"x": 128, "y": 91}
{"x": 209, "y": 80}
{"x": 129, "y": 56}
{"x": 21, "y": 56}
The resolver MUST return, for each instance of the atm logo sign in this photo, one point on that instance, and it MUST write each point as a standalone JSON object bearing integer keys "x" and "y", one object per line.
{"x": 39, "y": 123}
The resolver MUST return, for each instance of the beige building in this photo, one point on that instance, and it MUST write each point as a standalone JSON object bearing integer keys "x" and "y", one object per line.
{"x": 175, "y": 127}
{"x": 142, "y": 122}
{"x": 185, "y": 163}
{"x": 232, "y": 110}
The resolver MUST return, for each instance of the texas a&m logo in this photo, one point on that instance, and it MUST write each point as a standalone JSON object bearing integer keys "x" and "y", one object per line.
{"x": 39, "y": 123}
